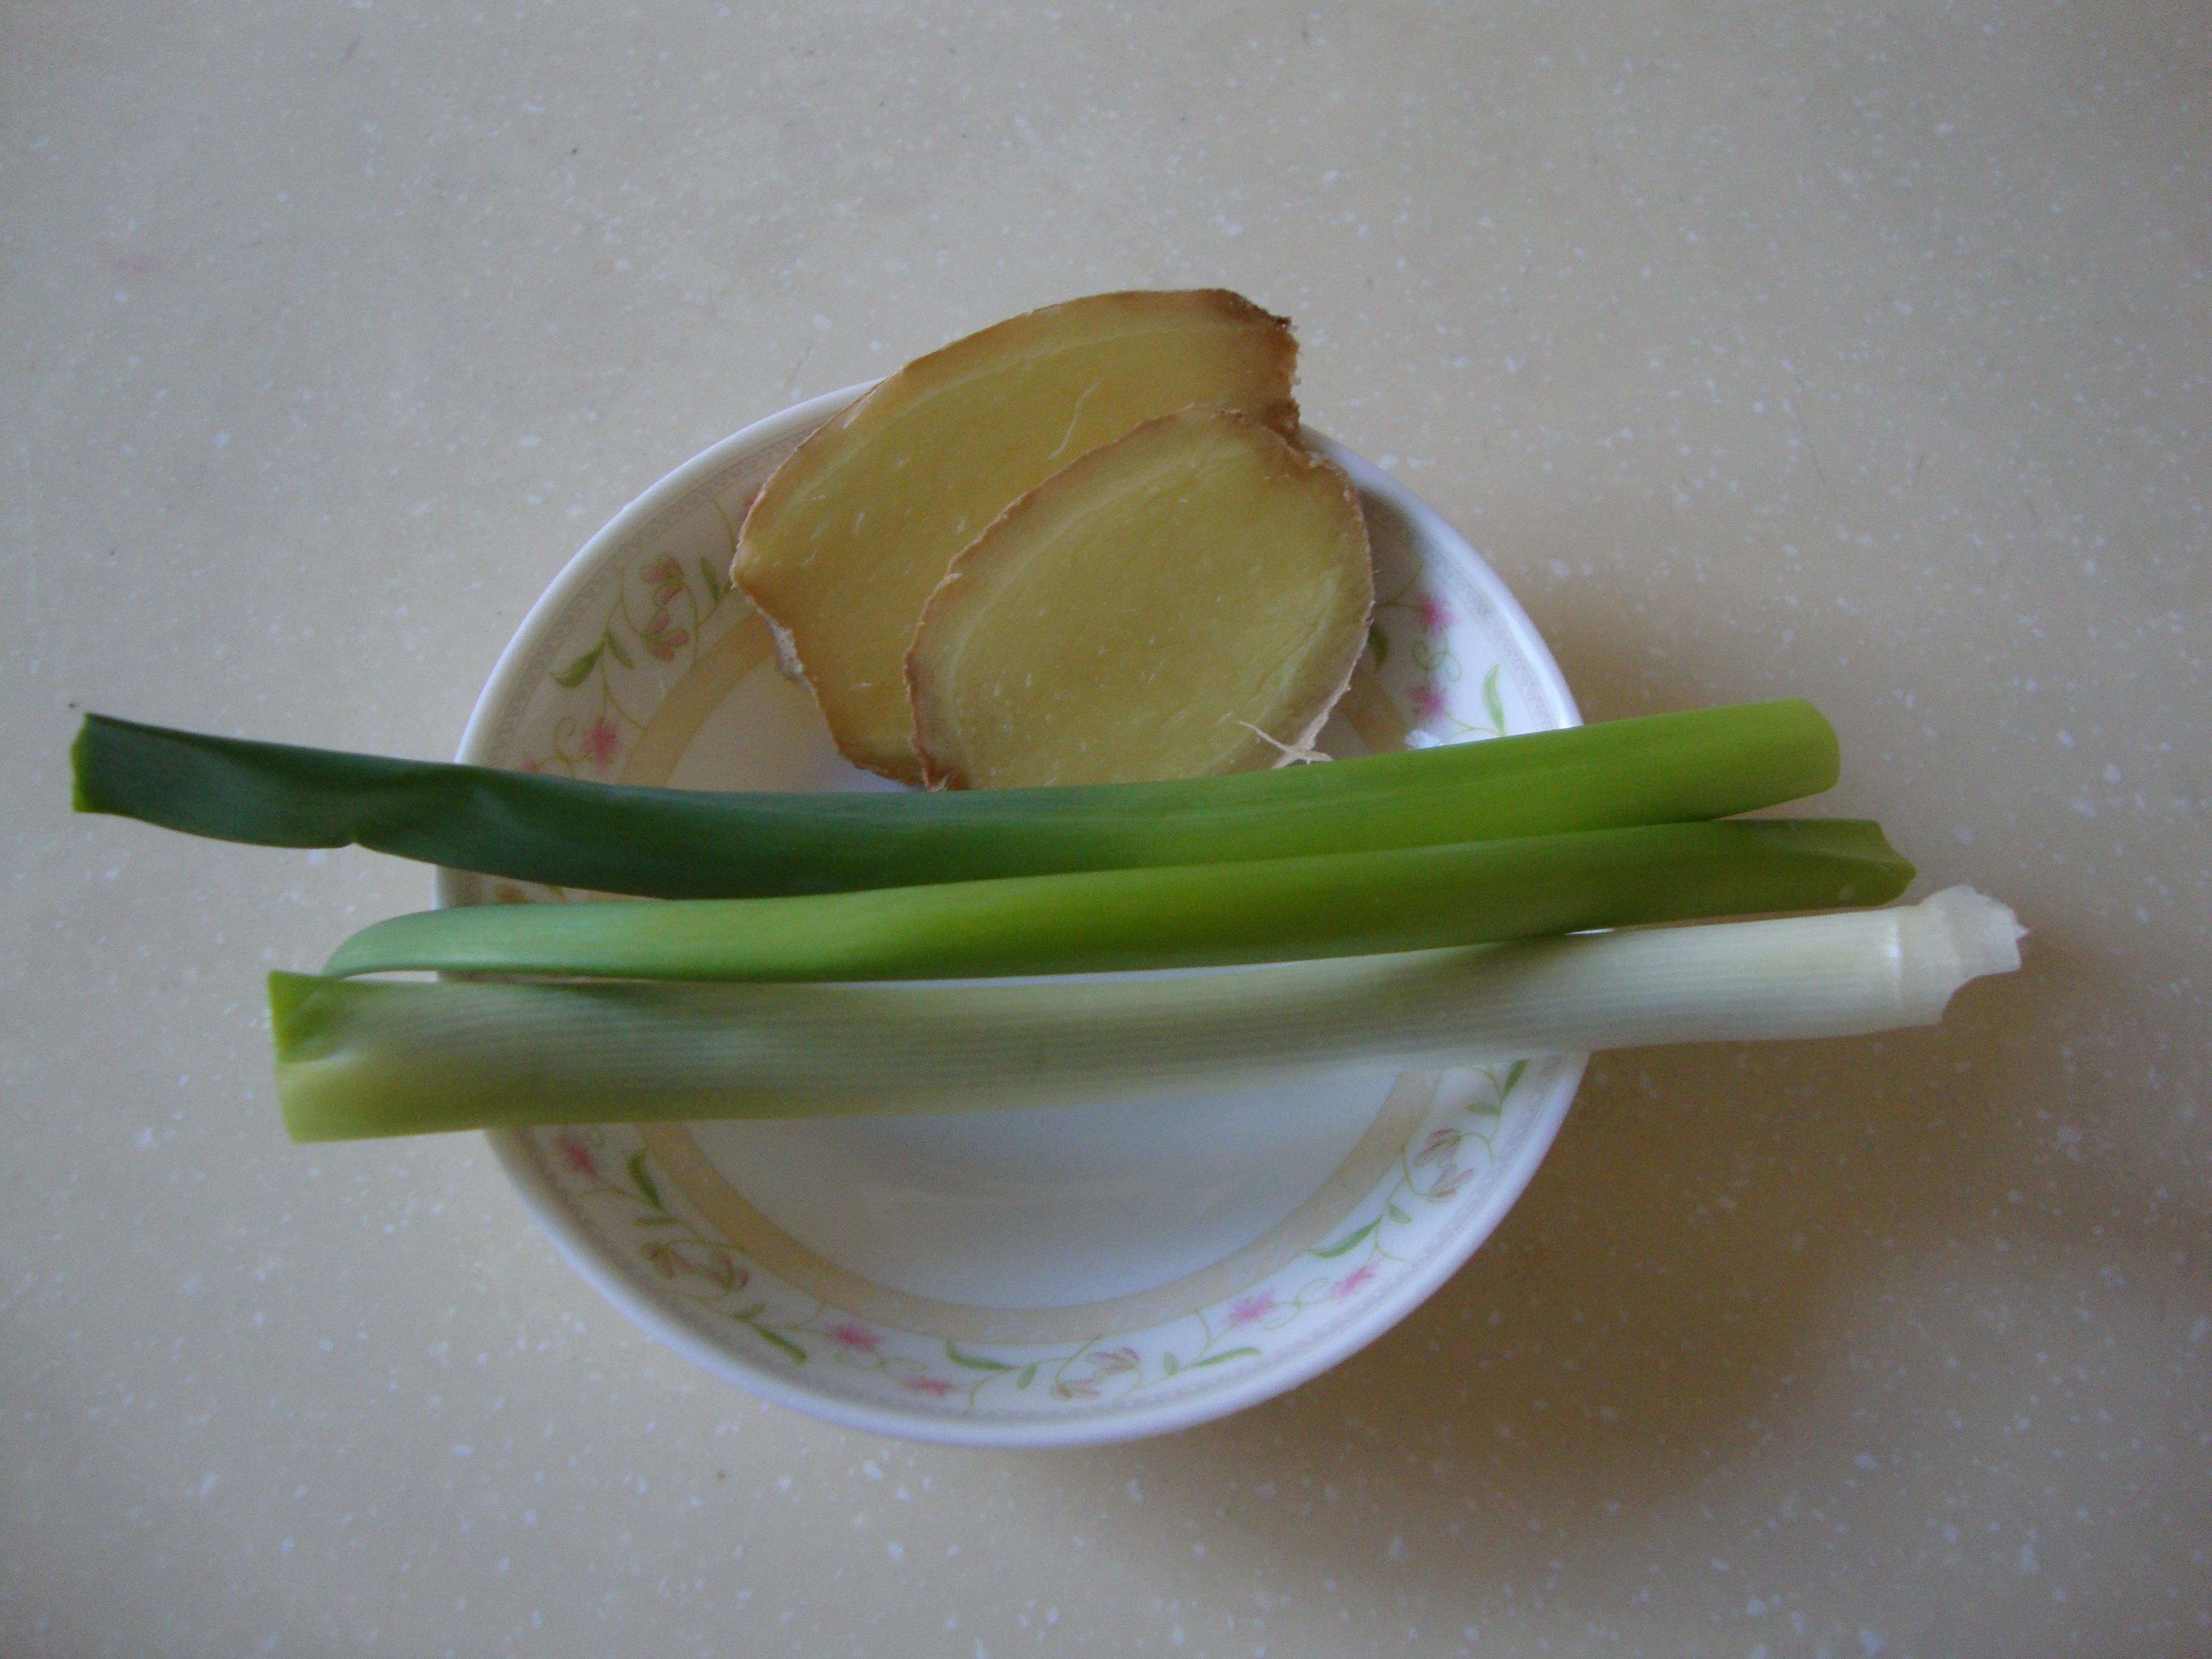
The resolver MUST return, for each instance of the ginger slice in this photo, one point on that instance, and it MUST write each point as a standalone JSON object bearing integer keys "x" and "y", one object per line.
{"x": 849, "y": 537}
{"x": 1189, "y": 599}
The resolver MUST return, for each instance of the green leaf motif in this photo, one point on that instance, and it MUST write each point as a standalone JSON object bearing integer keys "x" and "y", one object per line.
{"x": 1028, "y": 1376}
{"x": 577, "y": 672}
{"x": 1345, "y": 1243}
{"x": 1494, "y": 703}
{"x": 615, "y": 650}
{"x": 644, "y": 1181}
{"x": 975, "y": 1362}
{"x": 717, "y": 589}
{"x": 1224, "y": 1359}
{"x": 797, "y": 1354}
{"x": 1513, "y": 1075}
{"x": 1398, "y": 1215}
{"x": 1378, "y": 642}
{"x": 1169, "y": 1364}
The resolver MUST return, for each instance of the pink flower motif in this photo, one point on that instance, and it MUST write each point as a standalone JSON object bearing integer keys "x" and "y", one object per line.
{"x": 1351, "y": 1284}
{"x": 1453, "y": 1181}
{"x": 1428, "y": 702}
{"x": 1441, "y": 1144}
{"x": 1436, "y": 615}
{"x": 1250, "y": 1309}
{"x": 602, "y": 743}
{"x": 660, "y": 637}
{"x": 576, "y": 1155}
{"x": 854, "y": 1335}
{"x": 935, "y": 1387}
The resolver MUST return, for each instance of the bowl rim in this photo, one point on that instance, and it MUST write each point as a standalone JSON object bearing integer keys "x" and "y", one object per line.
{"x": 583, "y": 1252}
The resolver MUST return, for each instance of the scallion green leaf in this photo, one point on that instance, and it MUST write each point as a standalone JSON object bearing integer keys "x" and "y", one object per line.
{"x": 670, "y": 843}
{"x": 1169, "y": 916}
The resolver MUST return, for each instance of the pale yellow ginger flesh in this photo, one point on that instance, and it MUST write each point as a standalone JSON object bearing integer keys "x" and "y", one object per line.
{"x": 1189, "y": 601}
{"x": 846, "y": 540}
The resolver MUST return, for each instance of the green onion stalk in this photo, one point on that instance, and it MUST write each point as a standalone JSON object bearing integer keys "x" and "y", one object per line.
{"x": 1170, "y": 915}
{"x": 671, "y": 843}
{"x": 365, "y": 1058}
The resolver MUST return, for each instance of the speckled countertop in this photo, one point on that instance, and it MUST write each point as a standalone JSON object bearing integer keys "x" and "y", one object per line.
{"x": 1858, "y": 351}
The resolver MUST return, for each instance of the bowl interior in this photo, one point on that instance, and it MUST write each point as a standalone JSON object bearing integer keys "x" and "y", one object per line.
{"x": 1007, "y": 1278}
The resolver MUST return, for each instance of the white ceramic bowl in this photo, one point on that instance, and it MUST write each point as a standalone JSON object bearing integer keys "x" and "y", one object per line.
{"x": 1046, "y": 1278}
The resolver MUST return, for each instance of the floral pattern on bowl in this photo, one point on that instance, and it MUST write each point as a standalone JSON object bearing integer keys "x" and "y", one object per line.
{"x": 609, "y": 1176}
{"x": 639, "y": 647}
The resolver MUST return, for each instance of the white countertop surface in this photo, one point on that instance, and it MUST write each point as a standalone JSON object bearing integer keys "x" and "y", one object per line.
{"x": 1857, "y": 352}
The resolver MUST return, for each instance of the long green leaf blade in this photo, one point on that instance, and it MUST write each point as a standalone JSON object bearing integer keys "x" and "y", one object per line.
{"x": 1169, "y": 916}
{"x": 670, "y": 843}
